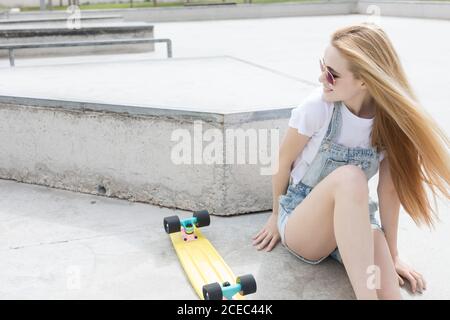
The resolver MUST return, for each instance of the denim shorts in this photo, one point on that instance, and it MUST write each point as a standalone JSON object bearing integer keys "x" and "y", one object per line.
{"x": 288, "y": 202}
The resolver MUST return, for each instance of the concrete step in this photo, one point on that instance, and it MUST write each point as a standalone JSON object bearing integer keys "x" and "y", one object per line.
{"x": 59, "y": 21}
{"x": 32, "y": 33}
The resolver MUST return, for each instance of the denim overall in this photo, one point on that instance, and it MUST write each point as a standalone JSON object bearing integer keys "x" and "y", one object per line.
{"x": 330, "y": 156}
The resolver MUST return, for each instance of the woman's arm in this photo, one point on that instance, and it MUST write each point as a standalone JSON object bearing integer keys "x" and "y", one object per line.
{"x": 293, "y": 143}
{"x": 389, "y": 205}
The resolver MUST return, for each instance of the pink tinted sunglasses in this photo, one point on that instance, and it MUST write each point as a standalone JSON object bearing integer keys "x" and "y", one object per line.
{"x": 329, "y": 76}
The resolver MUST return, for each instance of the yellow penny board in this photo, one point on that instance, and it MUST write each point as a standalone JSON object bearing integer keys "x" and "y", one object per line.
{"x": 201, "y": 262}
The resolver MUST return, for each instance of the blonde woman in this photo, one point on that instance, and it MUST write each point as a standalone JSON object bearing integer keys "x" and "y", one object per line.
{"x": 363, "y": 119}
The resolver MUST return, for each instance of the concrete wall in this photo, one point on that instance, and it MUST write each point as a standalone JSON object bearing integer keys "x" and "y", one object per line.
{"x": 241, "y": 11}
{"x": 39, "y": 34}
{"x": 412, "y": 9}
{"x": 87, "y": 151}
{"x": 128, "y": 156}
{"x": 254, "y": 192}
{"x": 422, "y": 9}
{"x": 59, "y": 21}
{"x": 36, "y": 3}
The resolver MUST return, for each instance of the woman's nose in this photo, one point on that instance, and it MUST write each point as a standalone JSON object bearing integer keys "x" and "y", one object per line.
{"x": 321, "y": 78}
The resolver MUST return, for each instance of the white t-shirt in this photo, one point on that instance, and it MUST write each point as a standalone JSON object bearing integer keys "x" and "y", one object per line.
{"x": 312, "y": 118}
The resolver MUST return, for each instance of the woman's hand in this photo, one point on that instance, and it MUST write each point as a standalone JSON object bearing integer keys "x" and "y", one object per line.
{"x": 269, "y": 236}
{"x": 415, "y": 279}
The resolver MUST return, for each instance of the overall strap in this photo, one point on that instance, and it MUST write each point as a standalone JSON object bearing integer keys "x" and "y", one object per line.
{"x": 335, "y": 124}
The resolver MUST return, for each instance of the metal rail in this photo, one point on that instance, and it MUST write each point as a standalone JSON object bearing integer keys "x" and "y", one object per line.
{"x": 12, "y": 47}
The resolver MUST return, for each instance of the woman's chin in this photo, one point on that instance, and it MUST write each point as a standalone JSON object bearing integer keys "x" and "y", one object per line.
{"x": 328, "y": 98}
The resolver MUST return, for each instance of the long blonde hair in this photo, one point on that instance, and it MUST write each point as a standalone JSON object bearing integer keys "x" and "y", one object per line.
{"x": 417, "y": 148}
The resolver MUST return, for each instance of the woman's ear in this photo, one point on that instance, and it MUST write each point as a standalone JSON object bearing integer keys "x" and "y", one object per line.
{"x": 363, "y": 86}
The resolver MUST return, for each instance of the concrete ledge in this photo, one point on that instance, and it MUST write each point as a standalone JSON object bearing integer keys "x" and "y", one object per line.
{"x": 12, "y": 34}
{"x": 52, "y": 21}
{"x": 129, "y": 157}
{"x": 417, "y": 9}
{"x": 411, "y": 9}
{"x": 125, "y": 140}
{"x": 239, "y": 11}
{"x": 55, "y": 14}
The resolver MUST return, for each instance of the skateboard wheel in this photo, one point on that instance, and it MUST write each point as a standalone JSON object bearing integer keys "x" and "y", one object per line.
{"x": 248, "y": 284}
{"x": 172, "y": 224}
{"x": 212, "y": 291}
{"x": 203, "y": 219}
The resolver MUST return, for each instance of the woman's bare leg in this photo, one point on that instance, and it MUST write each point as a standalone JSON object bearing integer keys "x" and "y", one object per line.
{"x": 334, "y": 213}
{"x": 388, "y": 282}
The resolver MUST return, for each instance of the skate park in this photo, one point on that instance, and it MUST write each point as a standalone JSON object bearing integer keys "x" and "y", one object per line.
{"x": 87, "y": 175}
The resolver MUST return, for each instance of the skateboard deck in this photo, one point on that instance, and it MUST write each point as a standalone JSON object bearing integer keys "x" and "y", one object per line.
{"x": 201, "y": 261}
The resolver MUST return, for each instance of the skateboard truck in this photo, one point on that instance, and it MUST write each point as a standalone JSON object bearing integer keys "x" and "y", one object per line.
{"x": 244, "y": 285}
{"x": 187, "y": 231}
{"x": 187, "y": 226}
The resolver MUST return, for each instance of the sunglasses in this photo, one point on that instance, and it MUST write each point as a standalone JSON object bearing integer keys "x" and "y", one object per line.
{"x": 329, "y": 76}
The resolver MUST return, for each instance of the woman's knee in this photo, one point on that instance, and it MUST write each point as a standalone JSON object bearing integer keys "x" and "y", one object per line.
{"x": 351, "y": 182}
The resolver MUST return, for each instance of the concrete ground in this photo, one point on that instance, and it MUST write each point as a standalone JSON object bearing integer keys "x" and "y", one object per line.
{"x": 56, "y": 244}
{"x": 60, "y": 244}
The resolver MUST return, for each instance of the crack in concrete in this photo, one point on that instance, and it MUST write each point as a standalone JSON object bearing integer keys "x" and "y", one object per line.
{"x": 72, "y": 240}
